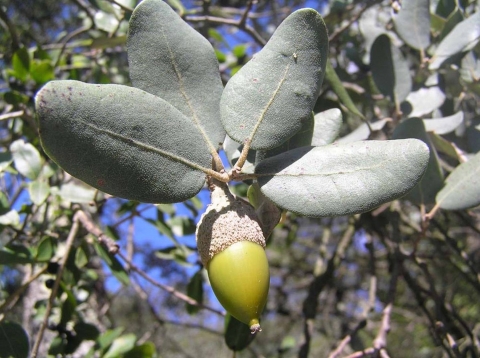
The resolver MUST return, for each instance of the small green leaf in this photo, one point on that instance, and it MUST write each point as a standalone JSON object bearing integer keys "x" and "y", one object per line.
{"x": 121, "y": 345}
{"x": 26, "y": 159}
{"x": 143, "y": 148}
{"x": 42, "y": 71}
{"x": 106, "y": 22}
{"x": 267, "y": 101}
{"x": 390, "y": 69}
{"x": 462, "y": 186}
{"x": 412, "y": 23}
{"x": 342, "y": 179}
{"x": 68, "y": 306}
{"x": 237, "y": 334}
{"x": 45, "y": 249}
{"x": 146, "y": 350}
{"x": 15, "y": 254}
{"x": 195, "y": 291}
{"x": 5, "y": 160}
{"x": 463, "y": 37}
{"x": 112, "y": 262}
{"x": 340, "y": 91}
{"x": 13, "y": 340}
{"x": 327, "y": 127}
{"x": 169, "y": 59}
{"x": 38, "y": 191}
{"x": 21, "y": 64}
{"x": 10, "y": 218}
{"x": 432, "y": 181}
{"x": 81, "y": 257}
{"x": 106, "y": 339}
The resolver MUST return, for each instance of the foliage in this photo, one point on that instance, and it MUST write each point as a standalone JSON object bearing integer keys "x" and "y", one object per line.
{"x": 79, "y": 275}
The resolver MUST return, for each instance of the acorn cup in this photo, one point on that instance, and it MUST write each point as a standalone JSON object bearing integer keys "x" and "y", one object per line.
{"x": 231, "y": 245}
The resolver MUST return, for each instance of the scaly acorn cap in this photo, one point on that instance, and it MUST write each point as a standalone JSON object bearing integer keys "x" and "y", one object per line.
{"x": 226, "y": 221}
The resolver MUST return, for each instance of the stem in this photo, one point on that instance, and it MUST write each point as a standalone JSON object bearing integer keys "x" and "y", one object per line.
{"x": 63, "y": 262}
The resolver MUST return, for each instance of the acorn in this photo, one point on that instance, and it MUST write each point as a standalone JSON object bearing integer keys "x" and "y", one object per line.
{"x": 231, "y": 245}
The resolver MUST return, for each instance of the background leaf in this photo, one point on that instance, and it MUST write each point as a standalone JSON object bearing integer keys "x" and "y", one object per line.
{"x": 390, "y": 69}
{"x": 173, "y": 61}
{"x": 462, "y": 186}
{"x": 432, "y": 181}
{"x": 341, "y": 179}
{"x": 26, "y": 159}
{"x": 463, "y": 37}
{"x": 195, "y": 291}
{"x": 38, "y": 191}
{"x": 327, "y": 127}
{"x": 13, "y": 340}
{"x": 144, "y": 149}
{"x": 444, "y": 125}
{"x": 423, "y": 101}
{"x": 237, "y": 334}
{"x": 269, "y": 98}
{"x": 412, "y": 23}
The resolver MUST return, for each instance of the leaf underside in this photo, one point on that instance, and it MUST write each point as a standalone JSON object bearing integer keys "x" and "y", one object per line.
{"x": 342, "y": 179}
{"x": 122, "y": 140}
{"x": 274, "y": 93}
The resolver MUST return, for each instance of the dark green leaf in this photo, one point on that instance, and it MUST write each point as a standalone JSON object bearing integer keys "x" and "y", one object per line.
{"x": 81, "y": 257}
{"x": 274, "y": 93}
{"x": 390, "y": 69}
{"x": 112, "y": 262}
{"x": 432, "y": 181}
{"x": 86, "y": 331}
{"x": 5, "y": 160}
{"x": 195, "y": 291}
{"x": 45, "y": 249}
{"x": 122, "y": 140}
{"x": 412, "y": 23}
{"x": 462, "y": 186}
{"x": 15, "y": 254}
{"x": 169, "y": 59}
{"x": 237, "y": 334}
{"x": 68, "y": 306}
{"x": 13, "y": 340}
{"x": 121, "y": 345}
{"x": 341, "y": 179}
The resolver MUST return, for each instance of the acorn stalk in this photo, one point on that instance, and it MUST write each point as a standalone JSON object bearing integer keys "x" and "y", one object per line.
{"x": 231, "y": 245}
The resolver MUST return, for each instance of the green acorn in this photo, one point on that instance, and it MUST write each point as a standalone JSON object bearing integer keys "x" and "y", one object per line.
{"x": 232, "y": 248}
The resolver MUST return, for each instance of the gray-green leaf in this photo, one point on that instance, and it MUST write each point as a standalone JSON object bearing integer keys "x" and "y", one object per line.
{"x": 269, "y": 98}
{"x": 463, "y": 37}
{"x": 38, "y": 191}
{"x": 424, "y": 101}
{"x": 169, "y": 59}
{"x": 413, "y": 23}
{"x": 462, "y": 186}
{"x": 444, "y": 125}
{"x": 390, "y": 69}
{"x": 341, "y": 179}
{"x": 122, "y": 140}
{"x": 327, "y": 127}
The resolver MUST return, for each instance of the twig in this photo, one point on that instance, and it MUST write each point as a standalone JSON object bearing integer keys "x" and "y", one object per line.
{"x": 220, "y": 20}
{"x": 167, "y": 288}
{"x": 14, "y": 296}
{"x": 53, "y": 294}
{"x": 11, "y": 115}
{"x": 70, "y": 36}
